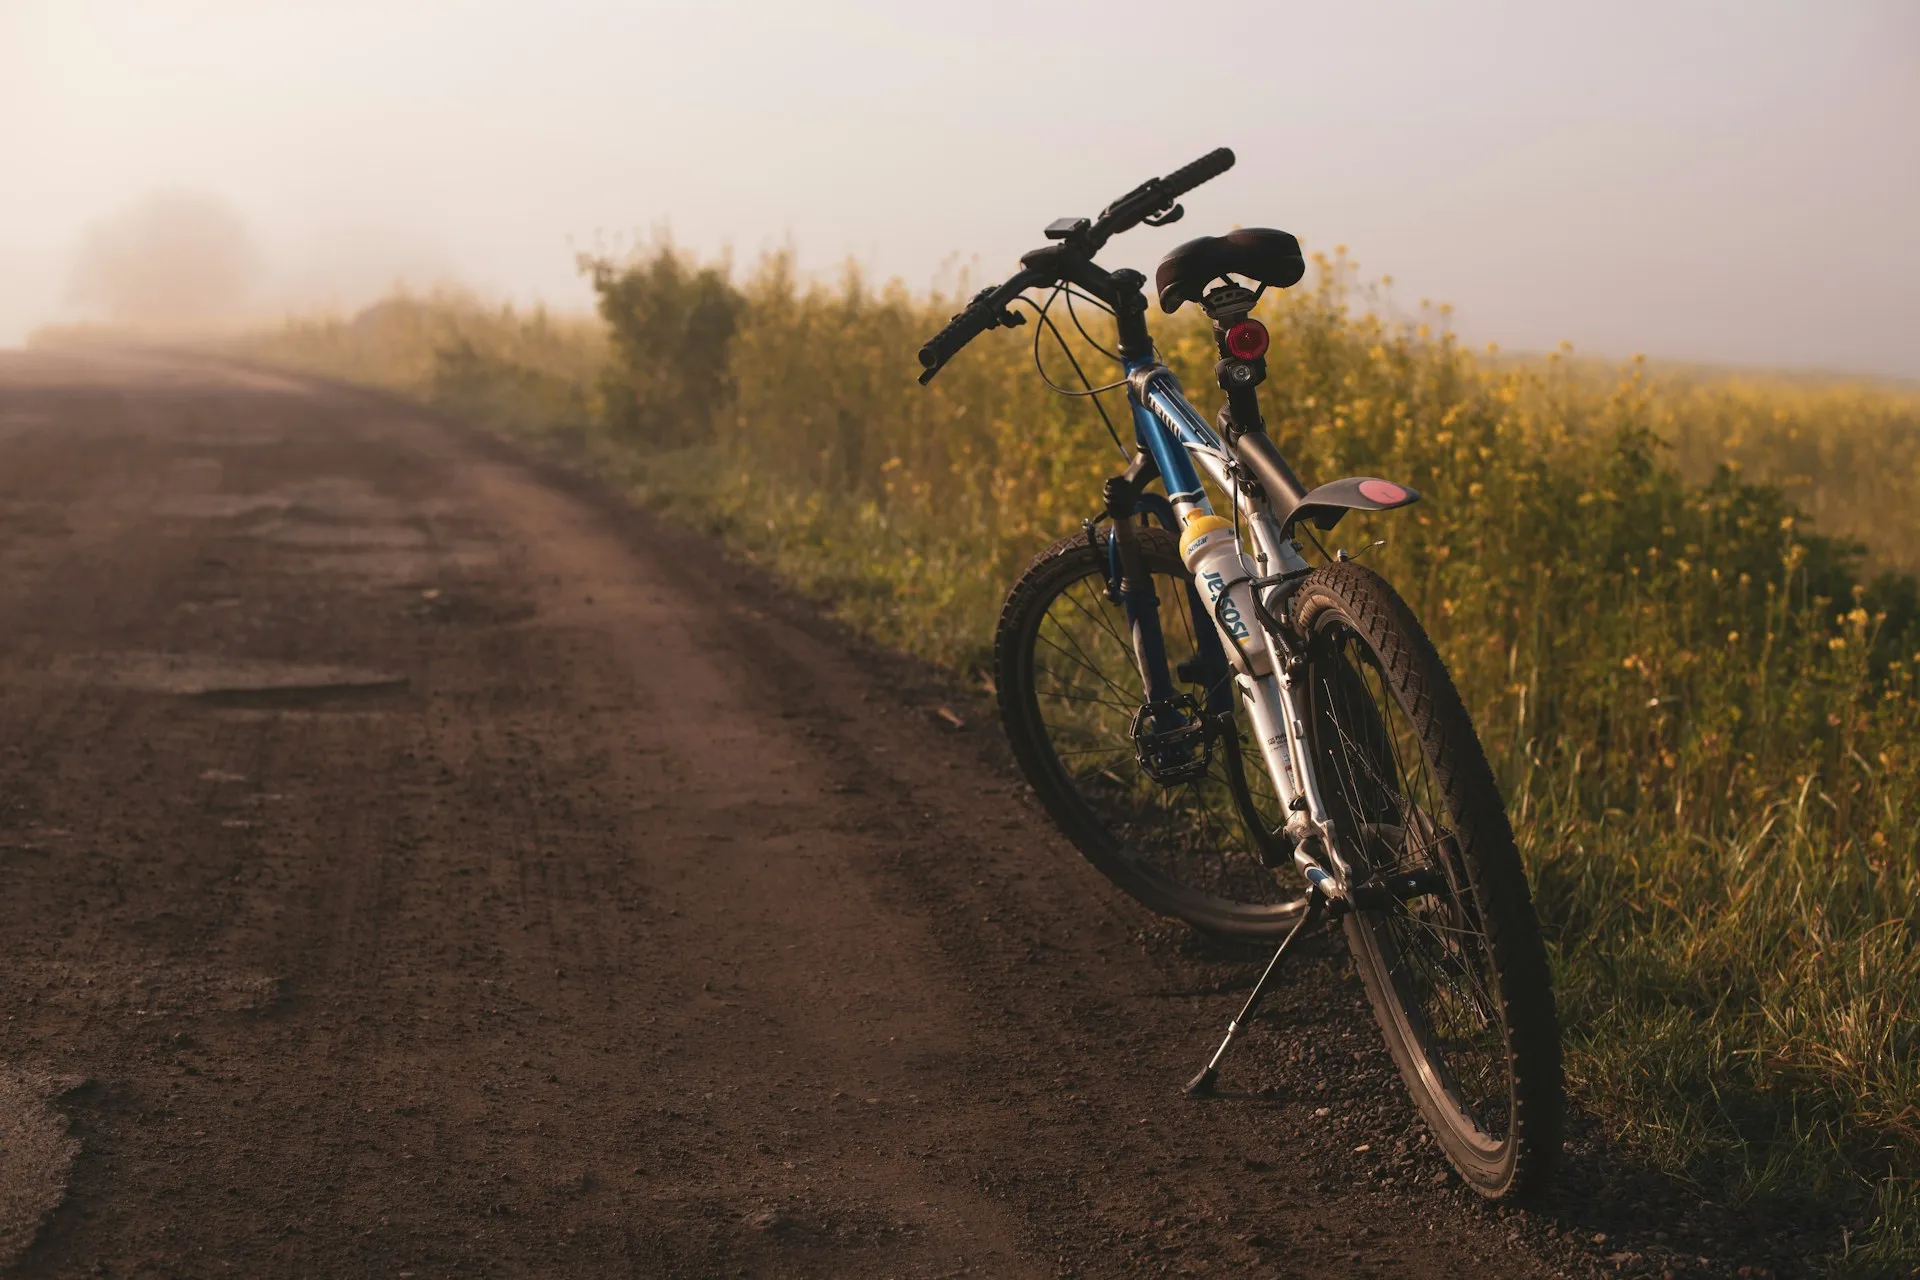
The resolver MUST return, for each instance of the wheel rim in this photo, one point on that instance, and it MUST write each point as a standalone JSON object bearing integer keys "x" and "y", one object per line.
{"x": 1190, "y": 839}
{"x": 1432, "y": 952}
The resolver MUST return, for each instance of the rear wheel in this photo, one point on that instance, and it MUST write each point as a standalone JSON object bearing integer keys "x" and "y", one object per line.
{"x": 1457, "y": 974}
{"x": 1071, "y": 693}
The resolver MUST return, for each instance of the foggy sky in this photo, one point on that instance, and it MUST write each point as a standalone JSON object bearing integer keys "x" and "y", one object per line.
{"x": 1733, "y": 182}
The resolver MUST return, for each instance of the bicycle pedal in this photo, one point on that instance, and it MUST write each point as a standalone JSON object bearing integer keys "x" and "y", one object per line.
{"x": 1179, "y": 754}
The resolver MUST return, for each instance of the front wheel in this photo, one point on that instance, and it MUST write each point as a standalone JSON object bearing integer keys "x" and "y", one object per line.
{"x": 1457, "y": 975}
{"x": 1199, "y": 842}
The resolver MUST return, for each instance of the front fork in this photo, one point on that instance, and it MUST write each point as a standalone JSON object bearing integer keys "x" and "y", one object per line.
{"x": 1131, "y": 579}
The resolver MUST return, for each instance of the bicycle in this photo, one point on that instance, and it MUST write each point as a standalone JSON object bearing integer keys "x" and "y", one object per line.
{"x": 1250, "y": 742}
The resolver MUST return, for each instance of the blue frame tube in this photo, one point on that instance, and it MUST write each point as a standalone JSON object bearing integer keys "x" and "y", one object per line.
{"x": 1164, "y": 425}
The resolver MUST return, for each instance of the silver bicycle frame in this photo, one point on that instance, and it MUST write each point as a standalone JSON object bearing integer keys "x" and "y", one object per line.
{"x": 1172, "y": 430}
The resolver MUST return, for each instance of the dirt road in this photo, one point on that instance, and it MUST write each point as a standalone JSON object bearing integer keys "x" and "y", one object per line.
{"x": 413, "y": 864}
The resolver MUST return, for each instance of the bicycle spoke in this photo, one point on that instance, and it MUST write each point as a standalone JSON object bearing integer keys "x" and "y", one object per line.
{"x": 1088, "y": 697}
{"x": 1079, "y": 656}
{"x": 1099, "y": 618}
{"x": 1087, "y": 751}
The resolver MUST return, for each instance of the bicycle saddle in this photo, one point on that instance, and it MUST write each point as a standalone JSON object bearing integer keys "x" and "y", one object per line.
{"x": 1259, "y": 253}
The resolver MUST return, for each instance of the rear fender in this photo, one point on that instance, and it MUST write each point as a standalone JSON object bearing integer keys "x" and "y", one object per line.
{"x": 1326, "y": 504}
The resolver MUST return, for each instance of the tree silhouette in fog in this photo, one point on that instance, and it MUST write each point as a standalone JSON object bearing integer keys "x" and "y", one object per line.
{"x": 173, "y": 257}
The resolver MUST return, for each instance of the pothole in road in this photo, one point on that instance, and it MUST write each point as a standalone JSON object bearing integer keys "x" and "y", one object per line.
{"x": 239, "y": 682}
{"x": 232, "y": 438}
{"x": 339, "y": 498}
{"x": 403, "y": 568}
{"x": 338, "y": 694}
{"x": 345, "y": 537}
{"x": 217, "y": 506}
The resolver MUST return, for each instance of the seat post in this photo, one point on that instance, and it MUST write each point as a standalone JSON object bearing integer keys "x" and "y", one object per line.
{"x": 1239, "y": 376}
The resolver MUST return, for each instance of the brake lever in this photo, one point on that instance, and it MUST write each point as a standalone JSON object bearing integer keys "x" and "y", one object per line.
{"x": 1008, "y": 317}
{"x": 1140, "y": 192}
{"x": 1161, "y": 219}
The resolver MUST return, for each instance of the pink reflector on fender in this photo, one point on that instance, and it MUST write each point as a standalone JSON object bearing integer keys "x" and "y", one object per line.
{"x": 1382, "y": 491}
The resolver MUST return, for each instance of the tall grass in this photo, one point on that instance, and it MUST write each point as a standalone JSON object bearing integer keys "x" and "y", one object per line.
{"x": 519, "y": 370}
{"x": 1702, "y": 706}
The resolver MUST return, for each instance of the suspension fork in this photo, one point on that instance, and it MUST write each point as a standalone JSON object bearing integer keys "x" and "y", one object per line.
{"x": 1132, "y": 580}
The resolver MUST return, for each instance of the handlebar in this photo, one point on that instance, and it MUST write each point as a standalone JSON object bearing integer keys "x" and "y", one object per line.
{"x": 1070, "y": 259}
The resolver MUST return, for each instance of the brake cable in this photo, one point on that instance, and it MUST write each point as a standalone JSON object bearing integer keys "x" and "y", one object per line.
{"x": 1073, "y": 293}
{"x": 1091, "y": 392}
{"x": 1047, "y": 320}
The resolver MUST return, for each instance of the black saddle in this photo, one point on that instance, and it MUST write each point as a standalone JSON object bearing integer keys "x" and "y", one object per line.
{"x": 1259, "y": 253}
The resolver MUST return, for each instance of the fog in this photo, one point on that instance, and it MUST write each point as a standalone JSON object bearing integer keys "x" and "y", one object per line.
{"x": 176, "y": 256}
{"x": 1720, "y": 182}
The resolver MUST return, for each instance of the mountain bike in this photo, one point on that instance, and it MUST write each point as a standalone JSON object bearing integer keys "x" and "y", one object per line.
{"x": 1250, "y": 741}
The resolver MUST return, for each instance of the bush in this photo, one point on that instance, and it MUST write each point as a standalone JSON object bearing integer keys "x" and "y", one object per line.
{"x": 670, "y": 326}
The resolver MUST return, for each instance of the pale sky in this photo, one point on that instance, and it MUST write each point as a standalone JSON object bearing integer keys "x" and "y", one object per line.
{"x": 1732, "y": 182}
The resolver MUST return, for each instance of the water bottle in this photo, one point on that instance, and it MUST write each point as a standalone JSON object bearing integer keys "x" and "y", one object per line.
{"x": 1212, "y": 552}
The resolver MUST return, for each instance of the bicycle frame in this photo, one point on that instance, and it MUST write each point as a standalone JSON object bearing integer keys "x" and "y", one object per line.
{"x": 1171, "y": 431}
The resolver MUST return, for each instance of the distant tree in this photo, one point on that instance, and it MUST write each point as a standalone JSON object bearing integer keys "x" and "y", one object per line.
{"x": 671, "y": 324}
{"x": 174, "y": 257}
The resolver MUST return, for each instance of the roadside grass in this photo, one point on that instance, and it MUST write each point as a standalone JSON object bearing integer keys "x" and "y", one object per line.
{"x": 1701, "y": 703}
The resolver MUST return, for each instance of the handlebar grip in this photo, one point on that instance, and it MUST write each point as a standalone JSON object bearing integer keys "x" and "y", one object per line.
{"x": 946, "y": 344}
{"x": 1207, "y": 167}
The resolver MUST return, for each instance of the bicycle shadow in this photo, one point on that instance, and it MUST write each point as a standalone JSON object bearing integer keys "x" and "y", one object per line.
{"x": 1609, "y": 1208}
{"x": 1642, "y": 1219}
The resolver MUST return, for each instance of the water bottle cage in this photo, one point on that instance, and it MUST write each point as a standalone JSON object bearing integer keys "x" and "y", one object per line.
{"x": 1220, "y": 600}
{"x": 1281, "y": 628}
{"x": 1283, "y": 638}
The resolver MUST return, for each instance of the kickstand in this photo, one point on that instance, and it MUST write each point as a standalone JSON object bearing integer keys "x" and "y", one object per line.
{"x": 1201, "y": 1086}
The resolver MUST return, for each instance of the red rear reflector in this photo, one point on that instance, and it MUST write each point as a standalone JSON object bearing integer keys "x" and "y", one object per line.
{"x": 1385, "y": 492}
{"x": 1247, "y": 340}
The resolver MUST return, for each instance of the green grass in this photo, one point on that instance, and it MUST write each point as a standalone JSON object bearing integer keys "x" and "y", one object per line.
{"x": 1698, "y": 689}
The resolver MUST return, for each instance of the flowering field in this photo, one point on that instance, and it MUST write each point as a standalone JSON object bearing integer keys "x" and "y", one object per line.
{"x": 1698, "y": 687}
